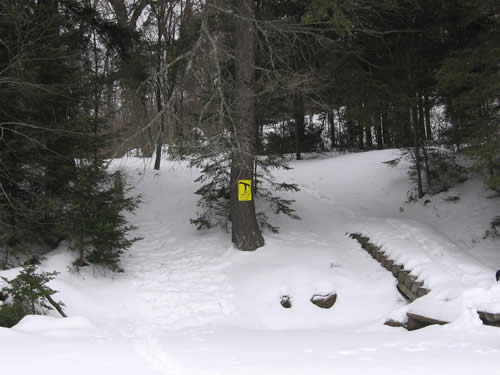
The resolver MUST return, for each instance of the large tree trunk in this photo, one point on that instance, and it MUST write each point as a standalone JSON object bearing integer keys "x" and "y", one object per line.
{"x": 245, "y": 231}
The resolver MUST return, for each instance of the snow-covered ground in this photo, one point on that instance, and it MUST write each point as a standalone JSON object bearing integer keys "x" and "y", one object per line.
{"x": 188, "y": 303}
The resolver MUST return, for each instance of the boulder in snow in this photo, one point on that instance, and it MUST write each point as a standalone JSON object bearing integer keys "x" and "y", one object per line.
{"x": 325, "y": 301}
{"x": 286, "y": 302}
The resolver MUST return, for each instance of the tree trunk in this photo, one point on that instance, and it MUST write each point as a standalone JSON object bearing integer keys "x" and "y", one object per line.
{"x": 331, "y": 121}
{"x": 421, "y": 121}
{"x": 360, "y": 135}
{"x": 340, "y": 135}
{"x": 159, "y": 140}
{"x": 427, "y": 110}
{"x": 386, "y": 129}
{"x": 414, "y": 123}
{"x": 298, "y": 112}
{"x": 245, "y": 231}
{"x": 159, "y": 104}
{"x": 378, "y": 132}
{"x": 416, "y": 147}
{"x": 368, "y": 135}
{"x": 427, "y": 166}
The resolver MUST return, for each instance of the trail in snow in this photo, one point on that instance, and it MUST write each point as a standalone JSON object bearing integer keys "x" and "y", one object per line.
{"x": 190, "y": 304}
{"x": 192, "y": 279}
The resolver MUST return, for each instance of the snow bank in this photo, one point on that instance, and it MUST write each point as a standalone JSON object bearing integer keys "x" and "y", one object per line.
{"x": 188, "y": 303}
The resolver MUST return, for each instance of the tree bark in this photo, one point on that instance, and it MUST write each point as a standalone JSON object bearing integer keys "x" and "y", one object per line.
{"x": 427, "y": 166}
{"x": 245, "y": 231}
{"x": 378, "y": 131}
{"x": 427, "y": 110}
{"x": 360, "y": 135}
{"x": 331, "y": 120}
{"x": 298, "y": 110}
{"x": 368, "y": 135}
{"x": 159, "y": 104}
{"x": 386, "y": 129}
{"x": 416, "y": 147}
{"x": 340, "y": 135}
{"x": 421, "y": 121}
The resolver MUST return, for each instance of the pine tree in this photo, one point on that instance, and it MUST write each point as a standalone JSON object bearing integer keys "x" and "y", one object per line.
{"x": 469, "y": 80}
{"x": 27, "y": 293}
{"x": 52, "y": 170}
{"x": 212, "y": 156}
{"x": 96, "y": 226}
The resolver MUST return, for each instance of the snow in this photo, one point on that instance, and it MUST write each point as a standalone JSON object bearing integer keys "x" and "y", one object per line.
{"x": 189, "y": 303}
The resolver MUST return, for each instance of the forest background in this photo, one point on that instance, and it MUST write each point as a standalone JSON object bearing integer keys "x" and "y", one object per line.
{"x": 228, "y": 84}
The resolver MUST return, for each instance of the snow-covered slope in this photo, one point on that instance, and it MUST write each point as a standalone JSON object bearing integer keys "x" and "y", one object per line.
{"x": 188, "y": 303}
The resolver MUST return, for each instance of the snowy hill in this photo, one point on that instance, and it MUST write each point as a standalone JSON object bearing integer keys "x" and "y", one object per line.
{"x": 188, "y": 303}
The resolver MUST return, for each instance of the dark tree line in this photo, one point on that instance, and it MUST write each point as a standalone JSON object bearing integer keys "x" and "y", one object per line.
{"x": 406, "y": 59}
{"x": 85, "y": 80}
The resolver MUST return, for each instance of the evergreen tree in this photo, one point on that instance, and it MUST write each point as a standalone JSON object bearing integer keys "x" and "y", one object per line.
{"x": 469, "y": 81}
{"x": 51, "y": 135}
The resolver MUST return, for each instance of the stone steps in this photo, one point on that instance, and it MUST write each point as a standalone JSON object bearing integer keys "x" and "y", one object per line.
{"x": 411, "y": 287}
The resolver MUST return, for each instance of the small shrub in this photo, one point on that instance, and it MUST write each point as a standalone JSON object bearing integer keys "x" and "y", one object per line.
{"x": 410, "y": 197}
{"x": 28, "y": 294}
{"x": 494, "y": 231}
{"x": 445, "y": 173}
{"x": 11, "y": 314}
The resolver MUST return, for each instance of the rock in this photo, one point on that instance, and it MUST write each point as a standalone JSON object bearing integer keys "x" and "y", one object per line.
{"x": 410, "y": 281}
{"x": 324, "y": 301}
{"x": 488, "y": 317}
{"x": 415, "y": 286}
{"x": 414, "y": 324}
{"x": 370, "y": 248}
{"x": 388, "y": 265}
{"x": 403, "y": 274}
{"x": 416, "y": 321}
{"x": 403, "y": 289}
{"x": 286, "y": 302}
{"x": 396, "y": 269}
{"x": 422, "y": 291}
{"x": 394, "y": 323}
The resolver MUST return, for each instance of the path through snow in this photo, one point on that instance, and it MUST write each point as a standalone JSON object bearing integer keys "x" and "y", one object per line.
{"x": 189, "y": 303}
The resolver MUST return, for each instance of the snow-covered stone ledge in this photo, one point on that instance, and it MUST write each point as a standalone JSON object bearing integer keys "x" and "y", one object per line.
{"x": 411, "y": 287}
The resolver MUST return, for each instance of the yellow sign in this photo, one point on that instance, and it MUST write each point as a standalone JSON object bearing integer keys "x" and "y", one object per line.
{"x": 244, "y": 190}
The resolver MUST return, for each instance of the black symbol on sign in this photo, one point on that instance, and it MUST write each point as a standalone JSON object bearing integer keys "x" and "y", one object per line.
{"x": 245, "y": 184}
